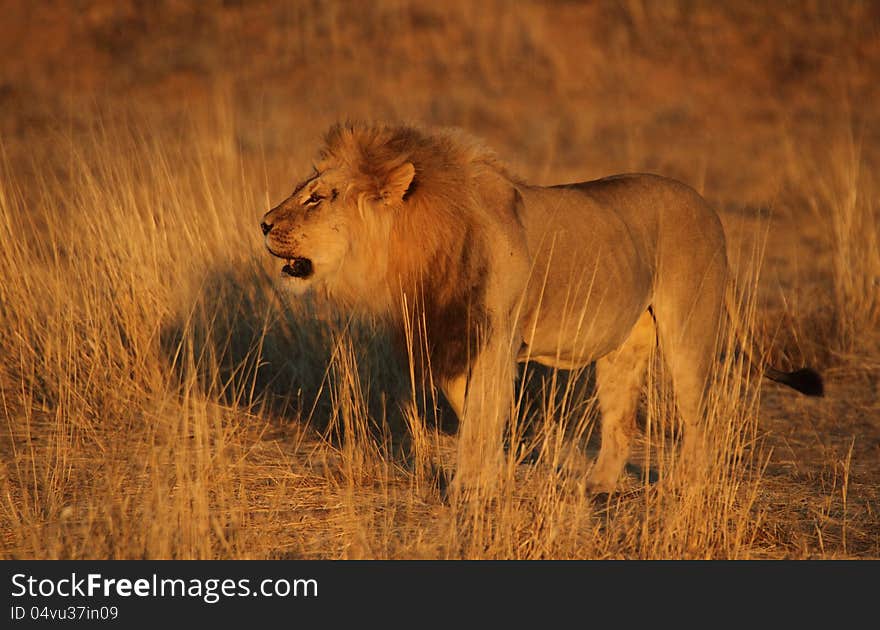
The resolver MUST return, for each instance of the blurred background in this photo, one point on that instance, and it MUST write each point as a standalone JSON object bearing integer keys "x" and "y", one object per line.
{"x": 719, "y": 94}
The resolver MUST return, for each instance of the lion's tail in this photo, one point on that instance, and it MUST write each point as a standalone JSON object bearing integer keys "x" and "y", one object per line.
{"x": 805, "y": 380}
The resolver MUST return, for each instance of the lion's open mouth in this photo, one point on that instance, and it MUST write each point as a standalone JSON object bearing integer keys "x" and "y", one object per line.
{"x": 298, "y": 268}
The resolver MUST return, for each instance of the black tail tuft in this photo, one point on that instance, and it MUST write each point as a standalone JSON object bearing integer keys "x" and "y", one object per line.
{"x": 806, "y": 380}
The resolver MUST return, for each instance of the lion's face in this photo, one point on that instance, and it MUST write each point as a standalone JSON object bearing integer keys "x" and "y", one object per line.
{"x": 310, "y": 230}
{"x": 334, "y": 229}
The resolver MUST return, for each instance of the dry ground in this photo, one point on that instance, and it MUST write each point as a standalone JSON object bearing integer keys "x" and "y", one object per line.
{"x": 160, "y": 398}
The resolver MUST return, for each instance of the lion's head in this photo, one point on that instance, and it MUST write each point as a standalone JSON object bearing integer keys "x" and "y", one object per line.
{"x": 387, "y": 208}
{"x": 334, "y": 224}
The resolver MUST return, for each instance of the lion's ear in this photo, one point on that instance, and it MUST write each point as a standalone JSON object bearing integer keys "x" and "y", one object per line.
{"x": 397, "y": 182}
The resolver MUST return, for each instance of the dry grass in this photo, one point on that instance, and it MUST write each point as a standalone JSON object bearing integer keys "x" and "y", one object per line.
{"x": 160, "y": 397}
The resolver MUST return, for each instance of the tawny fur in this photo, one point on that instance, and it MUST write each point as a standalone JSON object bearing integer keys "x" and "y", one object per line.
{"x": 431, "y": 232}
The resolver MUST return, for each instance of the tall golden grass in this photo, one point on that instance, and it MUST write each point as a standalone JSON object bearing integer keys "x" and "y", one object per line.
{"x": 162, "y": 399}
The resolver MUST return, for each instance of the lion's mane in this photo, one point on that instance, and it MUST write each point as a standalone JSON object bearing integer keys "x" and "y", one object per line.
{"x": 436, "y": 253}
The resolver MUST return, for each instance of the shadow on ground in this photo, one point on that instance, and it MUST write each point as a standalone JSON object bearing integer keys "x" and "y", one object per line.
{"x": 249, "y": 346}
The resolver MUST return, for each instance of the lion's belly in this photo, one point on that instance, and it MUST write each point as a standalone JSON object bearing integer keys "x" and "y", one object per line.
{"x": 568, "y": 333}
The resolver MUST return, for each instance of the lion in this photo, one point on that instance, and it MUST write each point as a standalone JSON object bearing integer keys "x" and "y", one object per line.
{"x": 430, "y": 232}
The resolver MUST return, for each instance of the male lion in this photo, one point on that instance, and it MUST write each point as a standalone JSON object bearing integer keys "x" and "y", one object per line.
{"x": 430, "y": 232}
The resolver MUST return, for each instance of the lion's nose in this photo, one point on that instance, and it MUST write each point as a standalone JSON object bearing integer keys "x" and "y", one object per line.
{"x": 266, "y": 227}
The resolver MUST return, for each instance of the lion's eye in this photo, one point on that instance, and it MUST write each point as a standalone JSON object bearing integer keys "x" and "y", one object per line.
{"x": 313, "y": 200}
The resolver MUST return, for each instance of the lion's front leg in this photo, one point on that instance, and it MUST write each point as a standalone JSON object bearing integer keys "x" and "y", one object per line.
{"x": 482, "y": 399}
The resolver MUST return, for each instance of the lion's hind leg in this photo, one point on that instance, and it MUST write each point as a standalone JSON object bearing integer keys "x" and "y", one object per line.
{"x": 619, "y": 379}
{"x": 689, "y": 334}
